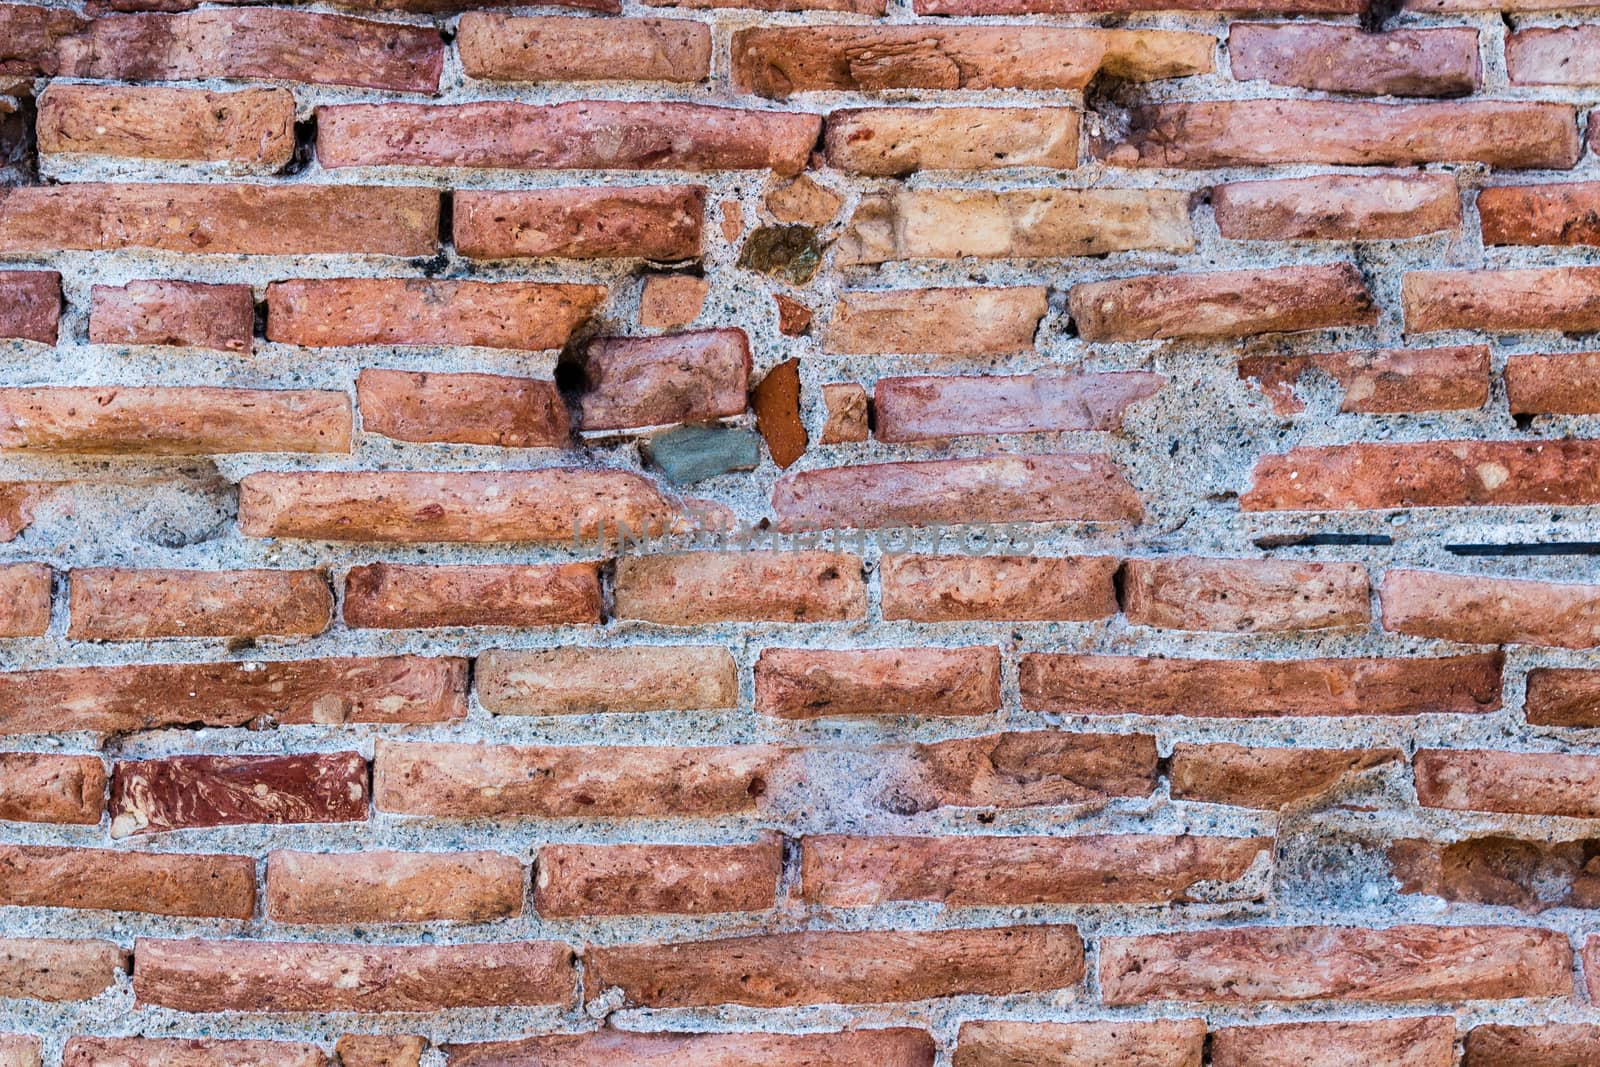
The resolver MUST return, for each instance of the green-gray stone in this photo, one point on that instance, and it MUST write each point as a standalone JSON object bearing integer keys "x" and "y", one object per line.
{"x": 788, "y": 252}
{"x": 690, "y": 454}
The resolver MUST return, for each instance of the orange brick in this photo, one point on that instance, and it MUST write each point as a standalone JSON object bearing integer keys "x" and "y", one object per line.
{"x": 58, "y": 970}
{"x": 1267, "y": 778}
{"x": 42, "y": 876}
{"x": 1244, "y": 595}
{"x": 658, "y": 222}
{"x": 179, "y": 1051}
{"x": 573, "y": 881}
{"x": 392, "y": 887}
{"x": 552, "y": 49}
{"x": 1425, "y": 1041}
{"x": 24, "y": 599}
{"x": 114, "y": 604}
{"x": 161, "y": 312}
{"x": 1225, "y": 304}
{"x": 1022, "y": 588}
{"x": 252, "y": 128}
{"x": 1125, "y": 1043}
{"x": 810, "y": 683}
{"x": 50, "y": 788}
{"x": 696, "y": 588}
{"x": 899, "y": 1047}
{"x": 1519, "y": 783}
{"x": 397, "y": 596}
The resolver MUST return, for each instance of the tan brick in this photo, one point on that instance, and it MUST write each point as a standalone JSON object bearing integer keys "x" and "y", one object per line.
{"x": 1244, "y": 595}
{"x": 1528, "y": 875}
{"x": 380, "y": 1050}
{"x": 1563, "y": 214}
{"x": 552, "y": 48}
{"x": 24, "y": 599}
{"x": 1560, "y": 383}
{"x": 1423, "y": 1041}
{"x": 1124, "y": 1043}
{"x": 1553, "y": 55}
{"x": 397, "y": 596}
{"x": 187, "y": 1052}
{"x": 575, "y": 881}
{"x": 898, "y": 1047}
{"x": 30, "y": 305}
{"x": 1519, "y": 783}
{"x": 867, "y": 967}
{"x": 969, "y": 322}
{"x": 671, "y": 301}
{"x": 392, "y": 887}
{"x": 499, "y": 781}
{"x": 117, "y": 604}
{"x": 847, "y": 413}
{"x": 50, "y": 788}
{"x": 1070, "y": 683}
{"x": 583, "y": 681}
{"x": 938, "y": 406}
{"x": 251, "y": 129}
{"x": 1020, "y": 588}
{"x": 33, "y": 968}
{"x": 810, "y": 683}
{"x": 1548, "y": 1045}
{"x": 659, "y": 222}
{"x": 20, "y": 1050}
{"x": 1348, "y": 59}
{"x": 696, "y": 588}
{"x": 1491, "y": 611}
{"x": 190, "y": 792}
{"x": 474, "y": 409}
{"x": 150, "y": 883}
{"x": 162, "y": 312}
{"x": 1017, "y": 770}
{"x": 1560, "y": 696}
{"x": 266, "y": 976}
{"x": 803, "y": 199}
{"x": 1338, "y": 207}
{"x": 888, "y": 142}
{"x": 1267, "y": 778}
{"x": 635, "y": 382}
{"x": 1380, "y": 382}
{"x": 1503, "y": 301}
{"x": 1222, "y": 304}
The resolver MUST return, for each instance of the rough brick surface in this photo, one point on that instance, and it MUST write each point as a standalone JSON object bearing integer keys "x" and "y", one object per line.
{"x": 1343, "y": 59}
{"x": 693, "y": 588}
{"x": 1019, "y": 770}
{"x": 392, "y": 596}
{"x": 1242, "y": 595}
{"x": 1337, "y": 208}
{"x": 1141, "y": 1043}
{"x": 1503, "y": 301}
{"x": 586, "y": 880}
{"x": 220, "y": 317}
{"x": 58, "y": 970}
{"x": 1383, "y": 382}
{"x": 182, "y": 1052}
{"x": 113, "y": 880}
{"x": 250, "y": 129}
{"x": 633, "y": 382}
{"x": 502, "y": 48}
{"x": 110, "y": 604}
{"x": 1231, "y": 304}
{"x": 933, "y": 407}
{"x": 190, "y": 792}
{"x": 1428, "y": 1041}
{"x": 906, "y": 1047}
{"x": 1530, "y": 783}
{"x": 951, "y": 588}
{"x": 889, "y": 142}
{"x": 392, "y": 887}
{"x": 30, "y": 305}
{"x": 573, "y": 681}
{"x": 1460, "y": 607}
{"x": 970, "y": 322}
{"x": 652, "y": 222}
{"x": 474, "y": 409}
{"x": 44, "y": 787}
{"x": 1267, "y": 777}
{"x": 802, "y": 683}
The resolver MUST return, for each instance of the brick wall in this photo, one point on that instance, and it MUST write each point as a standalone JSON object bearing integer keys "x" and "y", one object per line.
{"x": 1091, "y": 448}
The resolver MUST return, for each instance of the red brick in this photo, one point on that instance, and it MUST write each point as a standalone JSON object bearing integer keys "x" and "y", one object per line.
{"x": 1244, "y": 595}
{"x": 865, "y": 967}
{"x": 581, "y": 135}
{"x": 794, "y": 318}
{"x": 932, "y": 407}
{"x": 1029, "y": 7}
{"x": 1432, "y": 474}
{"x": 1293, "y": 963}
{"x": 192, "y": 792}
{"x": 295, "y": 220}
{"x": 1548, "y": 1045}
{"x": 1562, "y": 55}
{"x": 267, "y": 976}
{"x": 32, "y": 34}
{"x": 810, "y": 683}
{"x": 1529, "y": 875}
{"x": 584, "y": 681}
{"x": 150, "y": 883}
{"x": 1243, "y": 133}
{"x": 1021, "y": 588}
{"x": 1267, "y": 778}
{"x": 24, "y": 599}
{"x": 256, "y": 42}
{"x": 1520, "y": 783}
{"x": 397, "y": 596}
{"x": 549, "y": 505}
{"x": 187, "y": 1052}
{"x": 1503, "y": 301}
{"x": 854, "y": 872}
{"x": 30, "y": 305}
{"x": 574, "y": 881}
{"x": 1564, "y": 214}
{"x": 392, "y": 887}
{"x": 380, "y": 1050}
{"x": 1560, "y": 696}
{"x": 34, "y": 968}
{"x": 118, "y": 699}
{"x": 252, "y": 128}
{"x": 1591, "y": 966}
{"x": 776, "y": 400}
{"x": 1124, "y": 1043}
{"x": 1338, "y": 207}
{"x": 18, "y": 501}
{"x": 1061, "y": 487}
{"x": 776, "y": 62}
{"x": 50, "y": 788}
{"x": 1560, "y": 383}
{"x": 968, "y": 322}
{"x": 893, "y": 141}
{"x": 1424, "y": 1041}
{"x": 19, "y": 1050}
{"x": 620, "y": 1048}
{"x": 161, "y": 312}
{"x": 660, "y": 222}
{"x": 635, "y": 382}
{"x": 476, "y": 409}
{"x": 1017, "y": 770}
{"x": 1380, "y": 382}
{"x": 1491, "y": 611}
{"x": 671, "y": 301}
{"x": 1348, "y": 59}
{"x": 696, "y": 588}
{"x": 1223, "y": 304}
{"x": 116, "y": 604}
{"x": 422, "y": 311}
{"x": 1074, "y": 684}
{"x": 505, "y": 48}
{"x": 499, "y": 781}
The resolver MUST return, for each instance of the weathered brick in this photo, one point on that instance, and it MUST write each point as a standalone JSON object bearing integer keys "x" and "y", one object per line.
{"x": 295, "y": 220}
{"x": 188, "y": 1052}
{"x": 889, "y": 142}
{"x": 267, "y": 976}
{"x": 776, "y": 62}
{"x": 1491, "y": 611}
{"x": 1338, "y": 207}
{"x": 1521, "y": 783}
{"x": 42, "y": 876}
{"x": 1030, "y": 7}
{"x": 118, "y": 604}
{"x": 635, "y": 382}
{"x": 1019, "y": 223}
{"x": 1244, "y": 595}
{"x": 1347, "y": 59}
{"x": 32, "y": 35}
{"x": 1564, "y": 214}
{"x": 1061, "y": 487}
{"x": 392, "y": 887}
{"x": 552, "y": 504}
{"x": 1123, "y": 1043}
{"x": 851, "y": 872}
{"x": 52, "y": 788}
{"x": 865, "y": 967}
{"x": 30, "y": 305}
{"x": 696, "y": 588}
{"x": 1222, "y": 304}
{"x": 671, "y": 301}
{"x": 380, "y": 1050}
{"x": 581, "y": 135}
{"x": 584, "y": 681}
{"x": 1020, "y": 588}
{"x": 1268, "y": 778}
{"x": 898, "y": 1047}
{"x": 1422, "y": 1041}
{"x": 18, "y": 502}
{"x": 164, "y": 312}
{"x": 36, "y": 968}
{"x": 476, "y": 409}
{"x": 660, "y": 222}
{"x": 938, "y": 406}
{"x": 807, "y": 683}
{"x": 1075, "y": 684}
{"x": 803, "y": 199}
{"x": 1017, "y": 770}
{"x": 1591, "y": 965}
{"x": 1548, "y": 1045}
{"x": 1553, "y": 55}
{"x": 776, "y": 400}
{"x": 24, "y": 599}
{"x": 250, "y": 129}
{"x": 1563, "y": 696}
{"x": 1560, "y": 383}
{"x": 21, "y": 1050}
{"x": 498, "y": 781}
{"x": 573, "y": 881}
{"x": 1529, "y": 875}
{"x": 1429, "y": 474}
{"x": 505, "y": 48}
{"x": 972, "y": 321}
{"x": 116, "y": 699}
{"x": 1244, "y": 133}
{"x": 397, "y": 596}
{"x": 1293, "y": 963}
{"x": 1503, "y": 301}
{"x": 192, "y": 792}
{"x": 426, "y": 311}
{"x": 1380, "y": 382}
